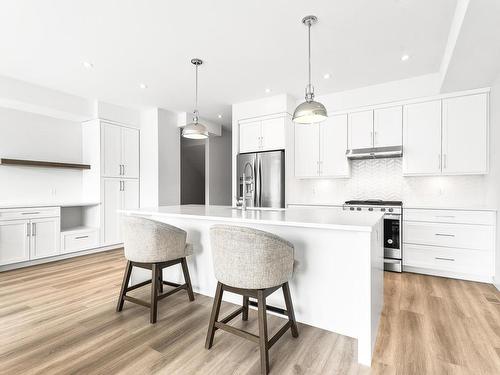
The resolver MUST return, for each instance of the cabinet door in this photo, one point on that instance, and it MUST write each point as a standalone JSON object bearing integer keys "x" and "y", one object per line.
{"x": 333, "y": 145}
{"x": 130, "y": 152}
{"x": 465, "y": 135}
{"x": 273, "y": 134}
{"x": 45, "y": 237}
{"x": 14, "y": 241}
{"x": 113, "y": 200}
{"x": 111, "y": 151}
{"x": 388, "y": 127}
{"x": 130, "y": 199}
{"x": 306, "y": 150}
{"x": 360, "y": 129}
{"x": 250, "y": 137}
{"x": 422, "y": 138}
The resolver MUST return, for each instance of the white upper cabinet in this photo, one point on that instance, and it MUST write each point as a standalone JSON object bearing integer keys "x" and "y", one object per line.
{"x": 120, "y": 150}
{"x": 320, "y": 149}
{"x": 250, "y": 136}
{"x": 333, "y": 145}
{"x": 273, "y": 134}
{"x": 306, "y": 150}
{"x": 465, "y": 135}
{"x": 422, "y": 138}
{"x": 263, "y": 135}
{"x": 360, "y": 130}
{"x": 388, "y": 127}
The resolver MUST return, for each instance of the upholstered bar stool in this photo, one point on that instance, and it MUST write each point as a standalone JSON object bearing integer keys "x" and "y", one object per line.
{"x": 153, "y": 245}
{"x": 254, "y": 264}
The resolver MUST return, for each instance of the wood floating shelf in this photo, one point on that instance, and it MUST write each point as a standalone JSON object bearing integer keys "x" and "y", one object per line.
{"x": 43, "y": 164}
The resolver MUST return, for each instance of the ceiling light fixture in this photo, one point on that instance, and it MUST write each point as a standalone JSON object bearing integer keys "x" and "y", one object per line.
{"x": 310, "y": 111}
{"x": 326, "y": 76}
{"x": 219, "y": 116}
{"x": 267, "y": 91}
{"x": 143, "y": 86}
{"x": 405, "y": 57}
{"x": 88, "y": 65}
{"x": 195, "y": 130}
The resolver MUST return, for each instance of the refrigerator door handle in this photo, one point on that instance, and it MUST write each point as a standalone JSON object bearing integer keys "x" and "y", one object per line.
{"x": 256, "y": 181}
{"x": 260, "y": 181}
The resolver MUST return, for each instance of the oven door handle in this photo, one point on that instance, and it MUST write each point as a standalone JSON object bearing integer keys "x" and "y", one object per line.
{"x": 392, "y": 261}
{"x": 392, "y": 216}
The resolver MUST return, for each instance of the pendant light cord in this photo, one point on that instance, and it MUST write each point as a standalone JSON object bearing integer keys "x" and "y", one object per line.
{"x": 196, "y": 90}
{"x": 309, "y": 44}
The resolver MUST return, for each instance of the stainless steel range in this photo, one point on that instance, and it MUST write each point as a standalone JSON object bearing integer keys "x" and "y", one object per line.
{"x": 393, "y": 239}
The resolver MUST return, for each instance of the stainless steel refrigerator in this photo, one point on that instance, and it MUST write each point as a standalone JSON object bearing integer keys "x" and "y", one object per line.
{"x": 265, "y": 179}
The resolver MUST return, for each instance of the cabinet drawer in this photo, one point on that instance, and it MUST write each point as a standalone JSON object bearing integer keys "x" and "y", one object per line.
{"x": 81, "y": 240}
{"x": 451, "y": 216}
{"x": 463, "y": 236}
{"x": 448, "y": 259}
{"x": 29, "y": 213}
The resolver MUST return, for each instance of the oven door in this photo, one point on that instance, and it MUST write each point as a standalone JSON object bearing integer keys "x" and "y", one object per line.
{"x": 392, "y": 236}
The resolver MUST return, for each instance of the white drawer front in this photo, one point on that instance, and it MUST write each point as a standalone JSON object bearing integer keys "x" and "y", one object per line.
{"x": 451, "y": 216}
{"x": 79, "y": 241}
{"x": 463, "y": 236}
{"x": 29, "y": 213}
{"x": 449, "y": 259}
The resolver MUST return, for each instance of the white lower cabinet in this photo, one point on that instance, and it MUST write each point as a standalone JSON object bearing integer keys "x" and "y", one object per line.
{"x": 79, "y": 239}
{"x": 452, "y": 243}
{"x": 29, "y": 234}
{"x": 14, "y": 241}
{"x": 118, "y": 194}
{"x": 45, "y": 239}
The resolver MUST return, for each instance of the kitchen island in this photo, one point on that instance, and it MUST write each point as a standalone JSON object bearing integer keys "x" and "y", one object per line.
{"x": 338, "y": 277}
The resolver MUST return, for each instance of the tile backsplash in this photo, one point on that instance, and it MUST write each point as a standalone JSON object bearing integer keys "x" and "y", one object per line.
{"x": 383, "y": 179}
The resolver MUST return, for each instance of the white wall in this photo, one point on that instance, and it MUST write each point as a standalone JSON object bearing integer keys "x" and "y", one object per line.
{"x": 219, "y": 169}
{"x": 149, "y": 158}
{"x": 25, "y": 135}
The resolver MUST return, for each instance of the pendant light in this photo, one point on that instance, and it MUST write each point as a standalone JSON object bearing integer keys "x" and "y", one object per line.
{"x": 195, "y": 130}
{"x": 310, "y": 111}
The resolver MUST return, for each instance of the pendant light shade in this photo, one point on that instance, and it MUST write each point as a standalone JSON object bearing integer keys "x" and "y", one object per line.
{"x": 310, "y": 111}
{"x": 195, "y": 130}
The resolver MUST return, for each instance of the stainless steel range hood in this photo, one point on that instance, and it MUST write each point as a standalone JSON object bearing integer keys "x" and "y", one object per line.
{"x": 375, "y": 153}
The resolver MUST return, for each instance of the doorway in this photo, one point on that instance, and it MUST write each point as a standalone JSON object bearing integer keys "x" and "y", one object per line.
{"x": 192, "y": 171}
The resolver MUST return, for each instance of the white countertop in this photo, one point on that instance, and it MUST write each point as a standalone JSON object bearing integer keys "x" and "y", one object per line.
{"x": 319, "y": 217}
{"x": 48, "y": 204}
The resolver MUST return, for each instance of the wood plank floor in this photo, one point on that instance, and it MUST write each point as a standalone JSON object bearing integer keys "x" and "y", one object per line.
{"x": 59, "y": 318}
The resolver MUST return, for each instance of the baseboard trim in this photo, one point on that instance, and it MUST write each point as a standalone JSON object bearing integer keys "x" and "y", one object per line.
{"x": 34, "y": 262}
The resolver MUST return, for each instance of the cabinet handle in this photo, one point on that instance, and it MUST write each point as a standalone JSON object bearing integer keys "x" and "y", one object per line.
{"x": 448, "y": 259}
{"x": 375, "y": 139}
{"x": 444, "y": 235}
{"x": 123, "y": 166}
{"x": 81, "y": 237}
{"x": 34, "y": 229}
{"x": 445, "y": 163}
{"x": 446, "y": 216}
{"x": 123, "y": 186}
{"x": 371, "y": 136}
{"x": 28, "y": 229}
{"x": 30, "y": 213}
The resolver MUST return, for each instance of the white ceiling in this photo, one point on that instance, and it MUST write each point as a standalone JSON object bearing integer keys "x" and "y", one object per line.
{"x": 247, "y": 46}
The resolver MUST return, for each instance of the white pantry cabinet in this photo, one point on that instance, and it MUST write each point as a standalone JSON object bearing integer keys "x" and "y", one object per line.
{"x": 446, "y": 136}
{"x": 118, "y": 194}
{"x": 320, "y": 149}
{"x": 262, "y": 135}
{"x": 465, "y": 135}
{"x": 119, "y": 150}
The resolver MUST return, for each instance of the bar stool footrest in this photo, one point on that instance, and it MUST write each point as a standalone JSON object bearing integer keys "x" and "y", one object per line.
{"x": 237, "y": 332}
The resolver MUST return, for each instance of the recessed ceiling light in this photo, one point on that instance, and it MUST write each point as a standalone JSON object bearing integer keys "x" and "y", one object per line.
{"x": 143, "y": 86}
{"x": 405, "y": 57}
{"x": 267, "y": 91}
{"x": 326, "y": 76}
{"x": 219, "y": 116}
{"x": 88, "y": 65}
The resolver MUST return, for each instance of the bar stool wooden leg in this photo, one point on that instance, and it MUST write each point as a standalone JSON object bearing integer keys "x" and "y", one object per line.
{"x": 289, "y": 309}
{"x": 214, "y": 316}
{"x": 160, "y": 281}
{"x": 187, "y": 279}
{"x": 245, "y": 308}
{"x": 154, "y": 293}
{"x": 123, "y": 290}
{"x": 263, "y": 342}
